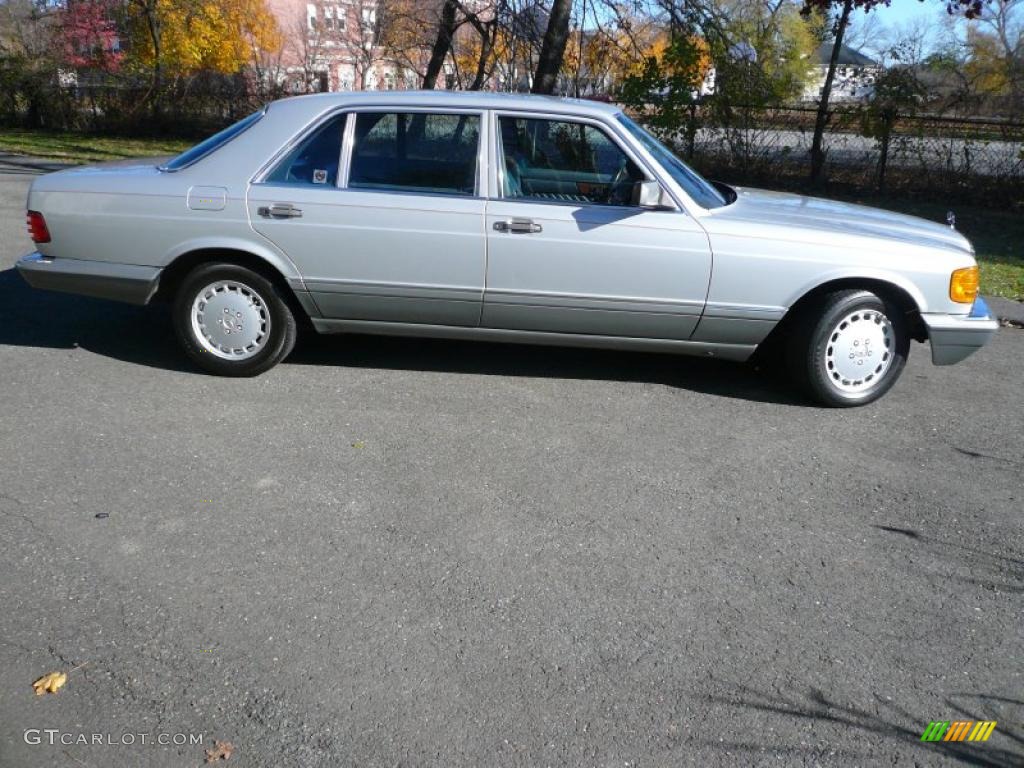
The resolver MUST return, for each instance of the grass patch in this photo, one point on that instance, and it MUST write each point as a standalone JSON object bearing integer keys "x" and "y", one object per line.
{"x": 997, "y": 236}
{"x": 85, "y": 148}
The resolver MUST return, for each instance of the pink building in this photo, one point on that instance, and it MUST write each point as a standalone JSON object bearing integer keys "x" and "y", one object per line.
{"x": 334, "y": 45}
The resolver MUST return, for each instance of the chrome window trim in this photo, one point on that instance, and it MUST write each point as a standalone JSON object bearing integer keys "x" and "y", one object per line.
{"x": 260, "y": 177}
{"x": 347, "y": 137}
{"x": 348, "y": 143}
{"x": 349, "y": 146}
{"x": 609, "y": 129}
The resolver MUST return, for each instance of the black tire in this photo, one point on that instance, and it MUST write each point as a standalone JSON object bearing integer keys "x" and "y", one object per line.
{"x": 265, "y": 308}
{"x": 879, "y": 352}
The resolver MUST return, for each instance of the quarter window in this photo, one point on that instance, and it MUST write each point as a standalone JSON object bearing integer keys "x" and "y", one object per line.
{"x": 564, "y": 162}
{"x": 415, "y": 152}
{"x": 215, "y": 142}
{"x": 315, "y": 159}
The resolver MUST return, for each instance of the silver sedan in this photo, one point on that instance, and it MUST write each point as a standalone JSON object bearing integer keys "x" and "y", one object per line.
{"x": 499, "y": 217}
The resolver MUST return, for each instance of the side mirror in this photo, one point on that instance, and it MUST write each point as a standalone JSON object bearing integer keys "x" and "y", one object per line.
{"x": 649, "y": 194}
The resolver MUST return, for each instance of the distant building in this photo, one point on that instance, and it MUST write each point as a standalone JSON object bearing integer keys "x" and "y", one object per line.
{"x": 854, "y": 79}
{"x": 334, "y": 45}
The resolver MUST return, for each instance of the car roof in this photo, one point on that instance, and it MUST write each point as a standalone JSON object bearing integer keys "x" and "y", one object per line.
{"x": 318, "y": 102}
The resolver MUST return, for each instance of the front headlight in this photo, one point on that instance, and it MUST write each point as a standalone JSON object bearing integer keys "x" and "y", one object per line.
{"x": 963, "y": 285}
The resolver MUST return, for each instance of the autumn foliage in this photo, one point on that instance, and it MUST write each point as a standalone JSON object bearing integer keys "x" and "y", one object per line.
{"x": 217, "y": 35}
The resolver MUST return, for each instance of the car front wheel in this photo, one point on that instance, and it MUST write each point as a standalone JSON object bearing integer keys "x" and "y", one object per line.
{"x": 850, "y": 348}
{"x": 232, "y": 321}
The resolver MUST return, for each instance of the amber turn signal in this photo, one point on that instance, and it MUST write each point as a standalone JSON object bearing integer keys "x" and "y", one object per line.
{"x": 963, "y": 285}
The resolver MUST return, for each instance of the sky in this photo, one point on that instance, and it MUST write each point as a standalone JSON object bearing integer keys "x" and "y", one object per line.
{"x": 904, "y": 16}
{"x": 902, "y": 11}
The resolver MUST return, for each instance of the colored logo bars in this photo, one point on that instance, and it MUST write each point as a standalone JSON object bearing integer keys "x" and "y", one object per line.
{"x": 958, "y": 730}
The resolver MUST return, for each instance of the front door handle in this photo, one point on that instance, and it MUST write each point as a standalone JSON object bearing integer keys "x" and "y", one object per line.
{"x": 518, "y": 226}
{"x": 279, "y": 211}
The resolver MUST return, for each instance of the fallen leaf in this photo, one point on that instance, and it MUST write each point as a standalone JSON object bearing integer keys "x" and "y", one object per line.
{"x": 358, "y": 444}
{"x": 50, "y": 683}
{"x": 221, "y": 751}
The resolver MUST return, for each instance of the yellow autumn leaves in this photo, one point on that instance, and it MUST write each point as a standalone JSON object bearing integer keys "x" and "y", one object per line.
{"x": 221, "y": 36}
{"x": 49, "y": 683}
{"x": 52, "y": 682}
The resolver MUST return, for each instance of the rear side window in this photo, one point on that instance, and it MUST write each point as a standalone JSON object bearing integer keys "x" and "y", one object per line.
{"x": 315, "y": 160}
{"x": 212, "y": 144}
{"x": 415, "y": 152}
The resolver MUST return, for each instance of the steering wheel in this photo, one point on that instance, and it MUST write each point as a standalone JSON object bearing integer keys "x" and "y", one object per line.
{"x": 614, "y": 189}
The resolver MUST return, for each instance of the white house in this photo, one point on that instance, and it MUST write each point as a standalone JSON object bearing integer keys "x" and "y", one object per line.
{"x": 854, "y": 80}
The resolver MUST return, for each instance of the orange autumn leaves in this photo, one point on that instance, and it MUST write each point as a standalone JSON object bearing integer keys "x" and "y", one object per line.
{"x": 218, "y": 35}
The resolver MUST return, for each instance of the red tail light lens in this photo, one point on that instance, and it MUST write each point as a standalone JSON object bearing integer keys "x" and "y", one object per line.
{"x": 37, "y": 227}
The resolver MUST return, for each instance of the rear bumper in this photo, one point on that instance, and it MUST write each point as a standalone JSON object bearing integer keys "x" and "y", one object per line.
{"x": 954, "y": 337}
{"x": 120, "y": 282}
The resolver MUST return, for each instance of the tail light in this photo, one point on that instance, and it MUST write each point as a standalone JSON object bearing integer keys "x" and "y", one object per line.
{"x": 37, "y": 227}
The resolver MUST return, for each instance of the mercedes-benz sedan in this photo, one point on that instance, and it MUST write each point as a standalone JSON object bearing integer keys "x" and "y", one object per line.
{"x": 498, "y": 217}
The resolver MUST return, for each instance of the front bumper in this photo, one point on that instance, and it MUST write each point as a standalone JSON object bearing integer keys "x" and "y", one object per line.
{"x": 105, "y": 280}
{"x": 954, "y": 337}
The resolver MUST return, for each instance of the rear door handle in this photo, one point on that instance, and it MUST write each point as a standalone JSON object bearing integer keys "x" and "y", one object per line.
{"x": 279, "y": 211}
{"x": 518, "y": 226}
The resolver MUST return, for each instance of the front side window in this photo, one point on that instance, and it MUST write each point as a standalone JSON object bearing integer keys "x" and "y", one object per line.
{"x": 415, "y": 152}
{"x": 564, "y": 162}
{"x": 700, "y": 189}
{"x": 315, "y": 160}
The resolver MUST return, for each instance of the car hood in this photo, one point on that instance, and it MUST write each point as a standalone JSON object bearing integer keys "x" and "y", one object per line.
{"x": 811, "y": 218}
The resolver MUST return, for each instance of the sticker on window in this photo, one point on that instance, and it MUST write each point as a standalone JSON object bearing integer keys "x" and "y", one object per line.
{"x": 319, "y": 176}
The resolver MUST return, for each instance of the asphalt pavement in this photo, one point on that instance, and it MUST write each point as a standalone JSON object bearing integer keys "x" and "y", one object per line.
{"x": 404, "y": 552}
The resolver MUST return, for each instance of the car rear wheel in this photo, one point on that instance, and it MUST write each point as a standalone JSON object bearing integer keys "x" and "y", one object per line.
{"x": 232, "y": 321}
{"x": 850, "y": 348}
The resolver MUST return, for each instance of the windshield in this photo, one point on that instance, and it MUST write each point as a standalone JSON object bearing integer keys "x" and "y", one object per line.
{"x": 695, "y": 185}
{"x": 216, "y": 141}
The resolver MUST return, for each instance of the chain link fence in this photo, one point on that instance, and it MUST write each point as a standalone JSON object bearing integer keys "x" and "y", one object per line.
{"x": 916, "y": 156}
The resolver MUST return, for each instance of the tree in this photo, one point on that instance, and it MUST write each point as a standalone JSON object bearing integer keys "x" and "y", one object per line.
{"x": 28, "y": 64}
{"x": 447, "y": 24}
{"x": 995, "y": 64}
{"x": 182, "y": 37}
{"x": 897, "y": 93}
{"x": 478, "y": 51}
{"x": 552, "y": 49}
{"x": 844, "y": 8}
{"x": 86, "y": 33}
{"x": 360, "y": 39}
{"x": 838, "y": 32}
{"x": 669, "y": 81}
{"x": 782, "y": 44}
{"x": 217, "y": 35}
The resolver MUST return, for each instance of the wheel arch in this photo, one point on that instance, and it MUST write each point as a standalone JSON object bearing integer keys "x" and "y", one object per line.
{"x": 182, "y": 264}
{"x": 906, "y": 297}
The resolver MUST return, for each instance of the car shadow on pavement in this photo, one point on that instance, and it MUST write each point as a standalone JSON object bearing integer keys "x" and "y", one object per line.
{"x": 885, "y": 720}
{"x": 144, "y": 336}
{"x": 34, "y": 318}
{"x": 713, "y": 377}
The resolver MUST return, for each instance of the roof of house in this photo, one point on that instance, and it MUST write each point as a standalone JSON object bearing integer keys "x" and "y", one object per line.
{"x": 848, "y": 57}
